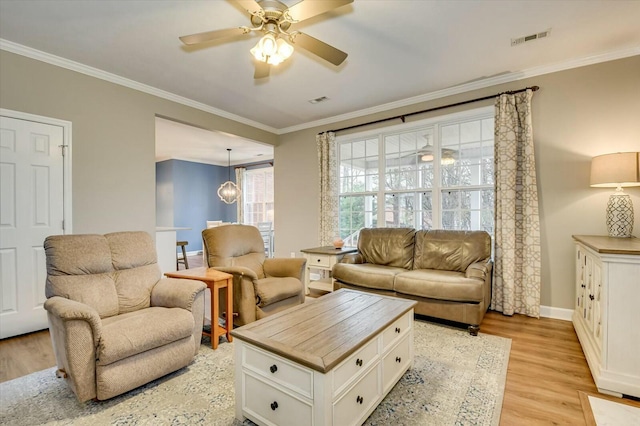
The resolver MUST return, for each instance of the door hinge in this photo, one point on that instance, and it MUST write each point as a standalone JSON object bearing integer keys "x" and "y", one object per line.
{"x": 64, "y": 149}
{"x": 63, "y": 224}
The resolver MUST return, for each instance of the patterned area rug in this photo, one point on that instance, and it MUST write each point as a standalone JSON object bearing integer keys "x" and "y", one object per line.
{"x": 456, "y": 379}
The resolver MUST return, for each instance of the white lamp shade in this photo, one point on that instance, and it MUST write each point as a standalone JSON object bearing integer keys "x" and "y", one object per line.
{"x": 615, "y": 170}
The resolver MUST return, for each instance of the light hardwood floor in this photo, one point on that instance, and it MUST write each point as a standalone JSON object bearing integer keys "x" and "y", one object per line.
{"x": 546, "y": 367}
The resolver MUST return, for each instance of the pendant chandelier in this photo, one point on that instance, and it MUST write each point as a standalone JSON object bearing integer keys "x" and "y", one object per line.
{"x": 229, "y": 191}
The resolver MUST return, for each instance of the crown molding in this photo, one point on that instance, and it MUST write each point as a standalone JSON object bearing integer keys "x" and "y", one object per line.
{"x": 462, "y": 88}
{"x": 38, "y": 55}
{"x": 467, "y": 87}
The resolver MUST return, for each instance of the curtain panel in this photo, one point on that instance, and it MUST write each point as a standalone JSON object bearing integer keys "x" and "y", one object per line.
{"x": 328, "y": 168}
{"x": 240, "y": 183}
{"x": 517, "y": 271}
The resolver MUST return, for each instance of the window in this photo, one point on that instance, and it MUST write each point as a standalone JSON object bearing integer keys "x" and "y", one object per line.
{"x": 257, "y": 196}
{"x": 437, "y": 174}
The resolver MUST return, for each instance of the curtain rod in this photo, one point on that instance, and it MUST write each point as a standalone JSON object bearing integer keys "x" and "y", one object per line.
{"x": 404, "y": 116}
{"x": 255, "y": 164}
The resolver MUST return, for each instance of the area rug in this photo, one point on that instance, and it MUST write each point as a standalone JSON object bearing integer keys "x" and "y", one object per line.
{"x": 456, "y": 379}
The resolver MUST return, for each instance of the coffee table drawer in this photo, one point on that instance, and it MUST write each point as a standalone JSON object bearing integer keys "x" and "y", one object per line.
{"x": 350, "y": 409}
{"x": 278, "y": 370}
{"x": 355, "y": 365}
{"x": 395, "y": 363}
{"x": 272, "y": 406}
{"x": 397, "y": 329}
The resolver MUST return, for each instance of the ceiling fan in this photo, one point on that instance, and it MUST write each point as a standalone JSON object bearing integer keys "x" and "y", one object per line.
{"x": 273, "y": 19}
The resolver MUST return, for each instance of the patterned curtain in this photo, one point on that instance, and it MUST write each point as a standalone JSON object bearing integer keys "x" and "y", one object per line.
{"x": 240, "y": 204}
{"x": 516, "y": 284}
{"x": 328, "y": 187}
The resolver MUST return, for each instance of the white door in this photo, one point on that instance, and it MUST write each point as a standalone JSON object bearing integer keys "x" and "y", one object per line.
{"x": 31, "y": 208}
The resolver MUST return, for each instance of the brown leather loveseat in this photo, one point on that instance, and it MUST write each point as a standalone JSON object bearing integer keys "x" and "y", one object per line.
{"x": 447, "y": 272}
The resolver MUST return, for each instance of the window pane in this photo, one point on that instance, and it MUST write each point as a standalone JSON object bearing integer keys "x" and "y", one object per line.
{"x": 399, "y": 210}
{"x": 426, "y": 211}
{"x": 356, "y": 212}
{"x": 257, "y": 196}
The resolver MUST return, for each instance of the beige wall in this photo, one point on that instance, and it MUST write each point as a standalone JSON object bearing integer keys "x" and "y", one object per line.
{"x": 577, "y": 114}
{"x": 113, "y": 147}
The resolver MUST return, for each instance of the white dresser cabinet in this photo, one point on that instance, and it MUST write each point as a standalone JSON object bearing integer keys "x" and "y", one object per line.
{"x": 607, "y": 314}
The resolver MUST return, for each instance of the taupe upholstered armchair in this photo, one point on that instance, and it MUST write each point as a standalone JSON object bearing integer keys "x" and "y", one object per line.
{"x": 261, "y": 286}
{"x": 114, "y": 322}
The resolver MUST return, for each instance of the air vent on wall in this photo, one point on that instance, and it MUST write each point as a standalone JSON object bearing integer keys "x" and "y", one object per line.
{"x": 528, "y": 38}
{"x": 318, "y": 100}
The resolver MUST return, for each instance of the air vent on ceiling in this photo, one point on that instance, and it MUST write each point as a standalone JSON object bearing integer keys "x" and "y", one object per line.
{"x": 528, "y": 38}
{"x": 318, "y": 100}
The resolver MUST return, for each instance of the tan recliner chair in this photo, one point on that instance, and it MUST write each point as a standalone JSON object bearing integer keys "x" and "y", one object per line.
{"x": 114, "y": 322}
{"x": 261, "y": 286}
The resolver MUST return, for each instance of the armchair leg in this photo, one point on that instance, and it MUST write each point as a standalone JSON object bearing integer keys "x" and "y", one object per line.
{"x": 473, "y": 330}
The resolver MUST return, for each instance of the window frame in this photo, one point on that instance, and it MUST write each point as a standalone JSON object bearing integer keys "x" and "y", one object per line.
{"x": 264, "y": 203}
{"x": 437, "y": 187}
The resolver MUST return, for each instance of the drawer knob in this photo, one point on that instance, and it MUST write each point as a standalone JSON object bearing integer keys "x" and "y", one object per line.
{"x": 274, "y": 405}
{"x": 591, "y": 296}
{"x": 397, "y": 329}
{"x": 398, "y": 359}
{"x": 359, "y": 362}
{"x": 359, "y": 399}
{"x": 273, "y": 368}
{"x": 319, "y": 260}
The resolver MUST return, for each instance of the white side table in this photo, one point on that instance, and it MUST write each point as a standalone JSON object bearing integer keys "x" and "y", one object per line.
{"x": 322, "y": 260}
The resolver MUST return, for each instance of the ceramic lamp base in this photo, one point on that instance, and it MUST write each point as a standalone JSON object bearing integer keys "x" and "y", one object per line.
{"x": 620, "y": 215}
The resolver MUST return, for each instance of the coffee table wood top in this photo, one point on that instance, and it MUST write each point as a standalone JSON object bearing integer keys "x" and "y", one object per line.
{"x": 322, "y": 333}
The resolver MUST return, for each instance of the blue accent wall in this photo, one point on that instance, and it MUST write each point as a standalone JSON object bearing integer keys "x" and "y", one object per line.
{"x": 194, "y": 198}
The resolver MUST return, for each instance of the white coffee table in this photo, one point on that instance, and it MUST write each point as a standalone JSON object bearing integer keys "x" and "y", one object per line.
{"x": 326, "y": 362}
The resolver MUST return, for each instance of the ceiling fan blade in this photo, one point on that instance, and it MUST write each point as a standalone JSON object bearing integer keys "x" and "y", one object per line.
{"x": 250, "y": 5}
{"x": 310, "y": 8}
{"x": 320, "y": 48}
{"x": 213, "y": 35}
{"x": 262, "y": 70}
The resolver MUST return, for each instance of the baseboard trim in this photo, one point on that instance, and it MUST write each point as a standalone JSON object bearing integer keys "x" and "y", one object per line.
{"x": 556, "y": 313}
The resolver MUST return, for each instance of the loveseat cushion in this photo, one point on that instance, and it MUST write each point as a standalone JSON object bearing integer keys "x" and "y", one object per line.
{"x": 450, "y": 250}
{"x": 139, "y": 331}
{"x": 366, "y": 275}
{"x": 274, "y": 289}
{"x": 440, "y": 285}
{"x": 387, "y": 246}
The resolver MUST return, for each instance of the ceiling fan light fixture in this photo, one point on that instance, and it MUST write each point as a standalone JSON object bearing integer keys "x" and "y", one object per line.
{"x": 266, "y": 47}
{"x": 427, "y": 157}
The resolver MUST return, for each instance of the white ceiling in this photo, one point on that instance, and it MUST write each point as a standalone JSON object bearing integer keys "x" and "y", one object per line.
{"x": 183, "y": 142}
{"x": 399, "y": 51}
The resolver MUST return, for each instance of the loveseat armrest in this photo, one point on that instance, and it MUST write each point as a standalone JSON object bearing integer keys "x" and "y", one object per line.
{"x": 285, "y": 267}
{"x": 176, "y": 293}
{"x": 480, "y": 270}
{"x": 354, "y": 258}
{"x": 70, "y": 310}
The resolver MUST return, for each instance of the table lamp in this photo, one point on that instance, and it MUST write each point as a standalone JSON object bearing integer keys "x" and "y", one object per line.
{"x": 617, "y": 170}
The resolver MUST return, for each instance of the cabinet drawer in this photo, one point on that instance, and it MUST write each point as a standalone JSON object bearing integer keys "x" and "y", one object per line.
{"x": 273, "y": 406}
{"x": 395, "y": 363}
{"x": 277, "y": 369}
{"x": 350, "y": 409}
{"x": 396, "y": 330}
{"x": 319, "y": 261}
{"x": 354, "y": 366}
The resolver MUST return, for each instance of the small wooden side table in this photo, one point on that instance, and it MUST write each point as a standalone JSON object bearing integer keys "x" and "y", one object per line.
{"x": 322, "y": 259}
{"x": 216, "y": 281}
